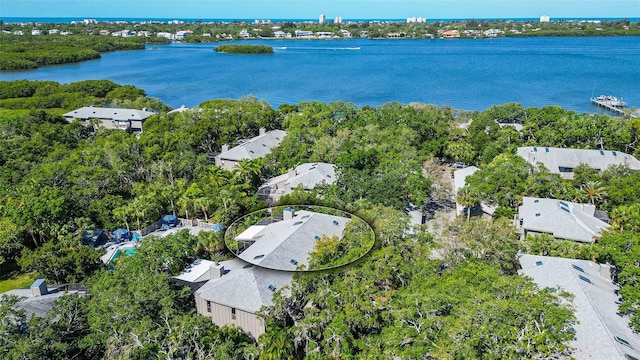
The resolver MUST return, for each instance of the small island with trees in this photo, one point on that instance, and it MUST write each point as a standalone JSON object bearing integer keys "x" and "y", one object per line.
{"x": 244, "y": 49}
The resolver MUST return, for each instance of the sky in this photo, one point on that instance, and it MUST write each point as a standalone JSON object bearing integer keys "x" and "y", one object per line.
{"x": 311, "y": 9}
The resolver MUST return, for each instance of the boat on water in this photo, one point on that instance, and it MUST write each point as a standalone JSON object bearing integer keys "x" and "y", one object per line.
{"x": 609, "y": 100}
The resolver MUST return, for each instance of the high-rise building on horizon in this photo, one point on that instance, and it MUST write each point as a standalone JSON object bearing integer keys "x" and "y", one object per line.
{"x": 322, "y": 19}
{"x": 337, "y": 20}
{"x": 545, "y": 18}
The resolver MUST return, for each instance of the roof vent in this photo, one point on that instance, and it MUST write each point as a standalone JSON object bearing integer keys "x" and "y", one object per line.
{"x": 271, "y": 287}
{"x": 537, "y": 214}
{"x": 258, "y": 257}
{"x": 565, "y": 209}
{"x": 539, "y": 262}
{"x": 317, "y": 237}
{"x": 614, "y": 153}
{"x": 577, "y": 267}
{"x": 335, "y": 222}
{"x": 622, "y": 341}
{"x": 536, "y": 200}
{"x": 546, "y": 149}
{"x": 247, "y": 266}
{"x": 564, "y": 203}
{"x": 584, "y": 278}
{"x": 294, "y": 261}
{"x": 297, "y": 223}
{"x": 601, "y": 152}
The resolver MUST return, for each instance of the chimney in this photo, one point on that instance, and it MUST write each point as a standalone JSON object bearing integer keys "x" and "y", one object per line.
{"x": 216, "y": 271}
{"x": 589, "y": 209}
{"x": 605, "y": 271}
{"x": 225, "y": 148}
{"x": 39, "y": 287}
{"x": 292, "y": 173}
{"x": 288, "y": 213}
{"x": 263, "y": 131}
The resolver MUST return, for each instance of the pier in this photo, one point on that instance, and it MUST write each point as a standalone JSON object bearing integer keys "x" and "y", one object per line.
{"x": 610, "y": 103}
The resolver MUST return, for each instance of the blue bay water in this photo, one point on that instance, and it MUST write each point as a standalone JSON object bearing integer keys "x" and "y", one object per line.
{"x": 469, "y": 74}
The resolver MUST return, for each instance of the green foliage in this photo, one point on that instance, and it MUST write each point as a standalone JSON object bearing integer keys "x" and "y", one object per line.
{"x": 28, "y": 52}
{"x": 622, "y": 249}
{"x": 244, "y": 49}
{"x": 398, "y": 303}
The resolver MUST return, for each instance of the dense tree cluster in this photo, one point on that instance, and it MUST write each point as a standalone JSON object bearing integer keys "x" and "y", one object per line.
{"x": 29, "y": 52}
{"x": 449, "y": 293}
{"x": 244, "y": 49}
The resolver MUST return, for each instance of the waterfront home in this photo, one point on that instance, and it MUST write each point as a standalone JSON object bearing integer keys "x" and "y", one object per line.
{"x": 54, "y": 32}
{"x": 562, "y": 219}
{"x": 303, "y": 34}
{"x": 601, "y": 332}
{"x": 253, "y": 148}
{"x": 36, "y": 32}
{"x": 450, "y": 34}
{"x": 563, "y": 161}
{"x": 286, "y": 244}
{"x": 129, "y": 120}
{"x": 307, "y": 176}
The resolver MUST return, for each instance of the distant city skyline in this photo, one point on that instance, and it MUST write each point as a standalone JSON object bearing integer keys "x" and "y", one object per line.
{"x": 311, "y": 9}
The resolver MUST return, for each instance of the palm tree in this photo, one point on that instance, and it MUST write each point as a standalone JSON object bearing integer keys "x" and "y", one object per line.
{"x": 593, "y": 191}
{"x": 467, "y": 198}
{"x": 122, "y": 212}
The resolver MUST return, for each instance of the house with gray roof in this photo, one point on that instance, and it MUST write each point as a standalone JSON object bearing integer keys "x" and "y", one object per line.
{"x": 286, "y": 244}
{"x": 562, "y": 219}
{"x": 600, "y": 331}
{"x": 129, "y": 120}
{"x": 38, "y": 299}
{"x": 235, "y": 291}
{"x": 307, "y": 175}
{"x": 563, "y": 161}
{"x": 254, "y": 148}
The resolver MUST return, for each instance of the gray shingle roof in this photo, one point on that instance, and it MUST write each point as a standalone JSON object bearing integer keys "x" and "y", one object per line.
{"x": 562, "y": 219}
{"x": 555, "y": 158}
{"x": 308, "y": 174}
{"x": 244, "y": 287}
{"x": 254, "y": 148}
{"x": 312, "y": 174}
{"x": 595, "y": 303}
{"x": 90, "y": 112}
{"x": 278, "y": 243}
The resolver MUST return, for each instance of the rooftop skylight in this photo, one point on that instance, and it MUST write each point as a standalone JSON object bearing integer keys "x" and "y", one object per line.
{"x": 271, "y": 287}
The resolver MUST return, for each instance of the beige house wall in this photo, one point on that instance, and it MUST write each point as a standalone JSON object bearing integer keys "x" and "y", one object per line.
{"x": 221, "y": 315}
{"x": 225, "y": 163}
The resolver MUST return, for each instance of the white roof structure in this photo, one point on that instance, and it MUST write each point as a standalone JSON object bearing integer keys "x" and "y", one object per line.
{"x": 90, "y": 112}
{"x": 600, "y": 332}
{"x": 459, "y": 180}
{"x": 244, "y": 286}
{"x": 559, "y": 160}
{"x": 286, "y": 245}
{"x": 254, "y": 148}
{"x": 196, "y": 272}
{"x": 562, "y": 219}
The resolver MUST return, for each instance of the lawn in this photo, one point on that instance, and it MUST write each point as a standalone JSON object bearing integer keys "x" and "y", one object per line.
{"x": 16, "y": 282}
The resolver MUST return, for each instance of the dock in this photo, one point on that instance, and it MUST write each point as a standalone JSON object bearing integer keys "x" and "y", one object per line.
{"x": 610, "y": 103}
